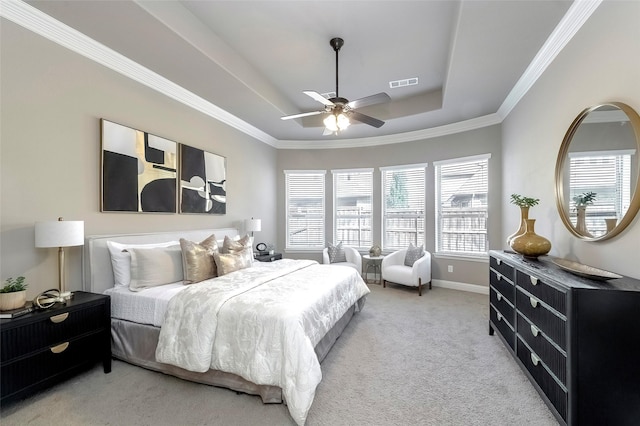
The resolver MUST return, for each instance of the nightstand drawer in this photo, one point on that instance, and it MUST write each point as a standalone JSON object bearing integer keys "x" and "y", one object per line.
{"x": 502, "y": 306}
{"x": 50, "y": 364}
{"x": 547, "y": 321}
{"x": 548, "y": 353}
{"x": 551, "y": 388}
{"x": 550, "y": 295}
{"x": 503, "y": 285}
{"x": 503, "y": 327}
{"x": 60, "y": 326}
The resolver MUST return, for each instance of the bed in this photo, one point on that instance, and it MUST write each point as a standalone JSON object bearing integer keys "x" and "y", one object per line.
{"x": 292, "y": 313}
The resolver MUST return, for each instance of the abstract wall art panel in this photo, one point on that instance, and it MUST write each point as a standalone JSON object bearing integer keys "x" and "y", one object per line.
{"x": 203, "y": 178}
{"x": 138, "y": 171}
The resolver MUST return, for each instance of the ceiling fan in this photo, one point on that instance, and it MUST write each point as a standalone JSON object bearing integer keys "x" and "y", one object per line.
{"x": 341, "y": 110}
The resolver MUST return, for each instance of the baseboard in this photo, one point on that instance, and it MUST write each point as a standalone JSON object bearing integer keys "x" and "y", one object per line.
{"x": 473, "y": 288}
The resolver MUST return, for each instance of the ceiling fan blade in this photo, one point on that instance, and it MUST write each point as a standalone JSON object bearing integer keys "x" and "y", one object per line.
{"x": 369, "y": 100}
{"x": 365, "y": 119}
{"x": 302, "y": 114}
{"x": 318, "y": 97}
{"x": 327, "y": 132}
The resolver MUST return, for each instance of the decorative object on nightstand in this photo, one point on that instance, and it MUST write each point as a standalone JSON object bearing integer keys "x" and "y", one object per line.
{"x": 269, "y": 257}
{"x": 253, "y": 225}
{"x": 375, "y": 251}
{"x": 61, "y": 233}
{"x": 13, "y": 295}
{"x": 44, "y": 347}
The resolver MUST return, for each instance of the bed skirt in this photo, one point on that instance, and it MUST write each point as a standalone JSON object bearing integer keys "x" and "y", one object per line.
{"x": 136, "y": 344}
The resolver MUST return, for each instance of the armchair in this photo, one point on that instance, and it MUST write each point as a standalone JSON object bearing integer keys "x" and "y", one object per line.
{"x": 353, "y": 258}
{"x": 395, "y": 271}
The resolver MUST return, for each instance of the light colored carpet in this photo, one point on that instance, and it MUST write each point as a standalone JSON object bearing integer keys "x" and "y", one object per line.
{"x": 403, "y": 360}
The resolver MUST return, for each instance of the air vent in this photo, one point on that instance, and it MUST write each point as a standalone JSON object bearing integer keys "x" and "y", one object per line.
{"x": 329, "y": 95}
{"x": 403, "y": 83}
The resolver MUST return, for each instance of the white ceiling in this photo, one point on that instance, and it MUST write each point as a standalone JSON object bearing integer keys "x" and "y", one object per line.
{"x": 253, "y": 59}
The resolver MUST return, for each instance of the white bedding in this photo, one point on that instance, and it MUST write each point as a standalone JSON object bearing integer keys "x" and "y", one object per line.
{"x": 286, "y": 306}
{"x": 144, "y": 307}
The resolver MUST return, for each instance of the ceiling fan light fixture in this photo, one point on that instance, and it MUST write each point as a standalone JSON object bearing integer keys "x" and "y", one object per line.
{"x": 336, "y": 122}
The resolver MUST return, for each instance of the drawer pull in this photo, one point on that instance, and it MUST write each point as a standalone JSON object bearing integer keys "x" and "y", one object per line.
{"x": 534, "y": 359}
{"x": 499, "y": 296}
{"x": 534, "y": 302}
{"x": 499, "y": 316}
{"x": 534, "y": 280}
{"x": 534, "y": 331}
{"x": 59, "y": 318}
{"x": 498, "y": 262}
{"x": 499, "y": 277}
{"x": 60, "y": 348}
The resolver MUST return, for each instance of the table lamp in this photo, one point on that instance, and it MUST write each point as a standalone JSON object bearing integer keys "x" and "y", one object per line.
{"x": 252, "y": 225}
{"x": 60, "y": 233}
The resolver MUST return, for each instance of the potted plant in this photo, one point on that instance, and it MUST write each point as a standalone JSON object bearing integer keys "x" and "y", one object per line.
{"x": 584, "y": 199}
{"x": 14, "y": 294}
{"x": 524, "y": 203}
{"x": 581, "y": 202}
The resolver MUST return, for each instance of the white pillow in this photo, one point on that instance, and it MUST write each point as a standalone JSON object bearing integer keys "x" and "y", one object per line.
{"x": 156, "y": 266}
{"x": 121, "y": 260}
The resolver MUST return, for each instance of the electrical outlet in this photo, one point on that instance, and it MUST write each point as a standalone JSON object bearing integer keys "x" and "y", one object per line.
{"x": 450, "y": 268}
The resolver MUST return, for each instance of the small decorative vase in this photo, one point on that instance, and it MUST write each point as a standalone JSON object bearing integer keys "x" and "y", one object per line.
{"x": 581, "y": 224}
{"x": 13, "y": 300}
{"x": 524, "y": 215}
{"x": 530, "y": 244}
{"x": 375, "y": 251}
{"x": 611, "y": 223}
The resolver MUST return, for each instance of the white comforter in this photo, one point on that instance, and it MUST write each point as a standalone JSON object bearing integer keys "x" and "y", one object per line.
{"x": 261, "y": 323}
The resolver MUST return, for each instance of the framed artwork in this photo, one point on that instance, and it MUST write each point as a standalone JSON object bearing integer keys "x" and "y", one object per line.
{"x": 203, "y": 178}
{"x": 138, "y": 171}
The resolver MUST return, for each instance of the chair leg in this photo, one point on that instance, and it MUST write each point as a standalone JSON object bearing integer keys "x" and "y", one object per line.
{"x": 429, "y": 285}
{"x": 419, "y": 286}
{"x": 384, "y": 283}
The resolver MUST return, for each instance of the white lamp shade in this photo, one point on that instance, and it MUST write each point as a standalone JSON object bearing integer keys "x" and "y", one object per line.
{"x": 60, "y": 233}
{"x": 253, "y": 225}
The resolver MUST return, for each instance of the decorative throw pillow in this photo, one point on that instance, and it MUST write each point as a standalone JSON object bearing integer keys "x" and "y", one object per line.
{"x": 230, "y": 262}
{"x": 121, "y": 259}
{"x": 336, "y": 253}
{"x": 413, "y": 253}
{"x": 152, "y": 267}
{"x": 243, "y": 245}
{"x": 198, "y": 262}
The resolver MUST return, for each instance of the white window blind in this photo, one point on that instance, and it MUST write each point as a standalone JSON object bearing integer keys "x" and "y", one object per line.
{"x": 462, "y": 190}
{"x": 608, "y": 174}
{"x": 352, "y": 200}
{"x": 305, "y": 209}
{"x": 403, "y": 207}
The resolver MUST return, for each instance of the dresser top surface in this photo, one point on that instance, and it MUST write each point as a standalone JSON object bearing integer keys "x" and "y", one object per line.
{"x": 545, "y": 267}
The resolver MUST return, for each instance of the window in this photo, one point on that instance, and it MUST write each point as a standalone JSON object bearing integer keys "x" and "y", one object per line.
{"x": 305, "y": 209}
{"x": 352, "y": 201}
{"x": 462, "y": 189}
{"x": 608, "y": 174}
{"x": 403, "y": 208}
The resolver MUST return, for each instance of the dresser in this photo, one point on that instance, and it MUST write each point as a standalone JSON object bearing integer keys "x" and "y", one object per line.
{"x": 576, "y": 339}
{"x": 45, "y": 347}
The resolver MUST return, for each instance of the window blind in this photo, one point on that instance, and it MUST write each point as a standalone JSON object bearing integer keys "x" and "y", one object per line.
{"x": 353, "y": 198}
{"x": 305, "y": 195}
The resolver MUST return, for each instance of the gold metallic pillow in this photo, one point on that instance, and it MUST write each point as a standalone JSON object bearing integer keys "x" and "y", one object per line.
{"x": 230, "y": 262}
{"x": 198, "y": 262}
{"x": 229, "y": 245}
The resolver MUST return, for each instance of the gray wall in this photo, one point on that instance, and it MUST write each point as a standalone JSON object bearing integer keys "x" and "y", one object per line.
{"x": 52, "y": 102}
{"x": 481, "y": 141}
{"x": 601, "y": 63}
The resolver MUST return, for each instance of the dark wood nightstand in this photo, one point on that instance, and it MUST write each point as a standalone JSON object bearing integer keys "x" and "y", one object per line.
{"x": 45, "y": 347}
{"x": 268, "y": 257}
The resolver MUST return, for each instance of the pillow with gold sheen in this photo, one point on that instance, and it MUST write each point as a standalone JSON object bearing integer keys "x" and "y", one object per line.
{"x": 198, "y": 262}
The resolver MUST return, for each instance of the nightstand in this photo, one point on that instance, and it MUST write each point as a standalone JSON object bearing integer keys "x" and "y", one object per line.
{"x": 48, "y": 346}
{"x": 268, "y": 257}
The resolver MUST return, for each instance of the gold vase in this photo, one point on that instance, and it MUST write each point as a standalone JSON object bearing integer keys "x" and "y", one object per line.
{"x": 530, "y": 244}
{"x": 581, "y": 221}
{"x": 524, "y": 215}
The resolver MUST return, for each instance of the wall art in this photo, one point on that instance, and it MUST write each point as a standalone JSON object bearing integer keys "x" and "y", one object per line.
{"x": 138, "y": 171}
{"x": 203, "y": 178}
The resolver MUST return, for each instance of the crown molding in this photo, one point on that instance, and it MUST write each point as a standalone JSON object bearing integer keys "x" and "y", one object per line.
{"x": 42, "y": 24}
{"x": 571, "y": 22}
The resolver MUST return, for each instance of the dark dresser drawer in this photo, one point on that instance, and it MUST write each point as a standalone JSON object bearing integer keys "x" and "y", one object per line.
{"x": 547, "y": 321}
{"x": 46, "y": 364}
{"x": 51, "y": 329}
{"x": 502, "y": 268}
{"x": 553, "y": 357}
{"x": 551, "y": 388}
{"x": 503, "y": 285}
{"x": 503, "y": 327}
{"x": 503, "y": 306}
{"x": 551, "y": 296}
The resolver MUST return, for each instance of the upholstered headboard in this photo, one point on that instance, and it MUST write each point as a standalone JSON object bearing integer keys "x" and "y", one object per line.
{"x": 96, "y": 262}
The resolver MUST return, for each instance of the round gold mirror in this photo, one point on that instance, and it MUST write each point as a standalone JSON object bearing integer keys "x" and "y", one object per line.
{"x": 598, "y": 172}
